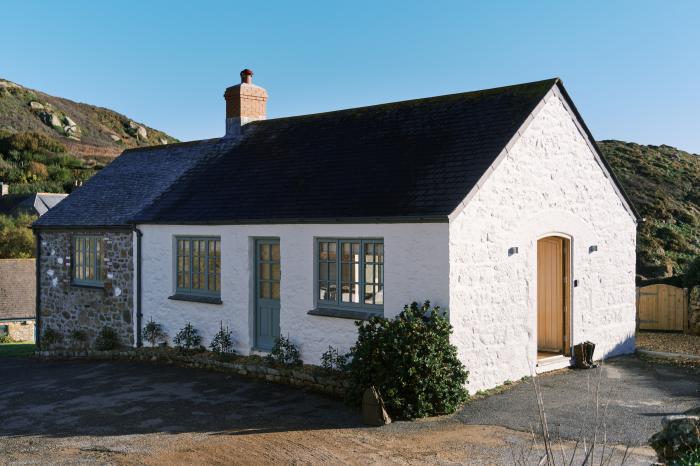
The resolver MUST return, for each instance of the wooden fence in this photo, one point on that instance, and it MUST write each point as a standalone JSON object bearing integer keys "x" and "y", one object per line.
{"x": 662, "y": 307}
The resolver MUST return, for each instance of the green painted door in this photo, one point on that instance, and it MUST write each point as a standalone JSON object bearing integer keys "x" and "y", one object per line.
{"x": 267, "y": 292}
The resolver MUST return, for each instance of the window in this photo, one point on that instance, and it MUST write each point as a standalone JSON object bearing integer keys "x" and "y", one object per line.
{"x": 88, "y": 260}
{"x": 351, "y": 273}
{"x": 198, "y": 266}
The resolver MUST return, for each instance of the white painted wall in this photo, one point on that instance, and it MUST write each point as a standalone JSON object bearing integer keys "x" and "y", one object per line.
{"x": 416, "y": 268}
{"x": 548, "y": 183}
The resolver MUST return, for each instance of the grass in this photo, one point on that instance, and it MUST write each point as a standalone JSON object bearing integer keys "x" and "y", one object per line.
{"x": 16, "y": 350}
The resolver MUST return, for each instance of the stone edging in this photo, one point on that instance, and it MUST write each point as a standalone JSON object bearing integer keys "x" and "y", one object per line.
{"x": 665, "y": 355}
{"x": 321, "y": 383}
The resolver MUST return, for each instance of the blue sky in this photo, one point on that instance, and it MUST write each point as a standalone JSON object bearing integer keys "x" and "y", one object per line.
{"x": 632, "y": 67}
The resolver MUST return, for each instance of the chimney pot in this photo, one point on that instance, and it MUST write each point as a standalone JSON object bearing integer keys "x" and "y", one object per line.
{"x": 247, "y": 76}
{"x": 245, "y": 102}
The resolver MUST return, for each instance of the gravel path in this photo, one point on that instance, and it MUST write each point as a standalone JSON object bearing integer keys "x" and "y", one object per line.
{"x": 669, "y": 342}
{"x": 80, "y": 412}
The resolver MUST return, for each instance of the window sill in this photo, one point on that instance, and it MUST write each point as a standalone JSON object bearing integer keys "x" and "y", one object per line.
{"x": 196, "y": 299}
{"x": 343, "y": 313}
{"x": 94, "y": 286}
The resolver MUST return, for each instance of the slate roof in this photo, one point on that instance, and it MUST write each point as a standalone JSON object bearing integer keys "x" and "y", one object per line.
{"x": 34, "y": 203}
{"x": 416, "y": 159}
{"x": 405, "y": 161}
{"x": 17, "y": 289}
{"x": 115, "y": 195}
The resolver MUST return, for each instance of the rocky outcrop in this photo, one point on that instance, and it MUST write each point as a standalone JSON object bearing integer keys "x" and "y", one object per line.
{"x": 137, "y": 131}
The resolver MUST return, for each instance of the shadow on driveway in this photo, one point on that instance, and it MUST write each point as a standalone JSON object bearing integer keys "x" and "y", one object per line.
{"x": 69, "y": 398}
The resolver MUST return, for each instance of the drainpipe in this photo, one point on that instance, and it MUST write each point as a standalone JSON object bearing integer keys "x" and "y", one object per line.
{"x": 139, "y": 315}
{"x": 37, "y": 311}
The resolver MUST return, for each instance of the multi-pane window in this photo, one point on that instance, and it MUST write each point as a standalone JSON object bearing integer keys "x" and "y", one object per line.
{"x": 198, "y": 266}
{"x": 351, "y": 273}
{"x": 88, "y": 260}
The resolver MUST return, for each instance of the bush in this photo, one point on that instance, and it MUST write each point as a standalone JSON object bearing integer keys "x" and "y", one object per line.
{"x": 188, "y": 338}
{"x": 222, "y": 343}
{"x": 690, "y": 458}
{"x": 16, "y": 237}
{"x": 50, "y": 337}
{"x": 6, "y": 339}
{"x": 107, "y": 339}
{"x": 691, "y": 277}
{"x": 332, "y": 361}
{"x": 78, "y": 337}
{"x": 153, "y": 333}
{"x": 284, "y": 353}
{"x": 411, "y": 361}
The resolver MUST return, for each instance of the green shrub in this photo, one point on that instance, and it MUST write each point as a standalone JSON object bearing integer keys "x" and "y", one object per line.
{"x": 107, "y": 340}
{"x": 284, "y": 353}
{"x": 690, "y": 458}
{"x": 411, "y": 361}
{"x": 50, "y": 337}
{"x": 188, "y": 338}
{"x": 154, "y": 334}
{"x": 332, "y": 361}
{"x": 16, "y": 237}
{"x": 6, "y": 339}
{"x": 222, "y": 343}
{"x": 691, "y": 277}
{"x": 30, "y": 142}
{"x": 79, "y": 337}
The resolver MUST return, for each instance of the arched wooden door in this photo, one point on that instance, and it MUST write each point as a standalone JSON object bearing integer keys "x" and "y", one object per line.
{"x": 552, "y": 295}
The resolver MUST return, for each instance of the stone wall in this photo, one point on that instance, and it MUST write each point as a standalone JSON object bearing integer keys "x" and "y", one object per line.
{"x": 694, "y": 311}
{"x": 66, "y": 307}
{"x": 19, "y": 330}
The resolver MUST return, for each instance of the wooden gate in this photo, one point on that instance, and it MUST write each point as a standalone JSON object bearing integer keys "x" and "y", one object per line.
{"x": 662, "y": 307}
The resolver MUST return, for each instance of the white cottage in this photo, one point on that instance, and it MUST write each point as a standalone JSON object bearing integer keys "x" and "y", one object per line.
{"x": 496, "y": 205}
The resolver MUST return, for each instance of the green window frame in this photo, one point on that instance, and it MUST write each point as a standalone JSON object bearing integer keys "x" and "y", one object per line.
{"x": 198, "y": 265}
{"x": 88, "y": 260}
{"x": 350, "y": 273}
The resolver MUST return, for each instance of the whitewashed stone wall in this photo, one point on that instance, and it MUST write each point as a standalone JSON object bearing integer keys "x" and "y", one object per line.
{"x": 416, "y": 268}
{"x": 549, "y": 183}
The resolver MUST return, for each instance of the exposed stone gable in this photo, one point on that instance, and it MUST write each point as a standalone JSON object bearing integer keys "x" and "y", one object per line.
{"x": 65, "y": 307}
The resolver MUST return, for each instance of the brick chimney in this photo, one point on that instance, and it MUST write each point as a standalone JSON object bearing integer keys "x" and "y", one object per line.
{"x": 245, "y": 102}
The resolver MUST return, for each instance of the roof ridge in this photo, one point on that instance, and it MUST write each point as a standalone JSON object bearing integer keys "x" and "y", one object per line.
{"x": 553, "y": 81}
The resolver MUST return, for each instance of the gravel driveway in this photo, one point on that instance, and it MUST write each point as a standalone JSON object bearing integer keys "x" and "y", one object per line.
{"x": 124, "y": 413}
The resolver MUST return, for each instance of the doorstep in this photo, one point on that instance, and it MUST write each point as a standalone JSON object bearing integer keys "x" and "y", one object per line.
{"x": 553, "y": 363}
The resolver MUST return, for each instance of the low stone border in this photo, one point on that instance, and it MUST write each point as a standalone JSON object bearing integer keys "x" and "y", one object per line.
{"x": 669, "y": 356}
{"x": 309, "y": 377}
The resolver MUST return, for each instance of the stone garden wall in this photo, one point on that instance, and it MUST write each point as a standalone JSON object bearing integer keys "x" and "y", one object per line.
{"x": 65, "y": 307}
{"x": 694, "y": 311}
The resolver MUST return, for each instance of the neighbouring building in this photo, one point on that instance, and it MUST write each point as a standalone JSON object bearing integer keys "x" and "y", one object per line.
{"x": 496, "y": 205}
{"x": 31, "y": 203}
{"x": 17, "y": 298}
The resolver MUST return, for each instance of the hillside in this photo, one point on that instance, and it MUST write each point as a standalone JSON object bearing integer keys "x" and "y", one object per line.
{"x": 664, "y": 185}
{"x": 49, "y": 143}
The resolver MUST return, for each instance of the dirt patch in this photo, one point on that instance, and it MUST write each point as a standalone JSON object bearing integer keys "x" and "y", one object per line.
{"x": 669, "y": 342}
{"x": 446, "y": 443}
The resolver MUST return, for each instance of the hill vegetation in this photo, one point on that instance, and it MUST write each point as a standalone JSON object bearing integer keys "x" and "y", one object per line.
{"x": 51, "y": 144}
{"x": 664, "y": 184}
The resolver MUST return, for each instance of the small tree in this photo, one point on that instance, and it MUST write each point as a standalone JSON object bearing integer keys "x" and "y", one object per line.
{"x": 284, "y": 353}
{"x": 411, "y": 361}
{"x": 107, "y": 340}
{"x": 188, "y": 338}
{"x": 154, "y": 333}
{"x": 222, "y": 343}
{"x": 332, "y": 361}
